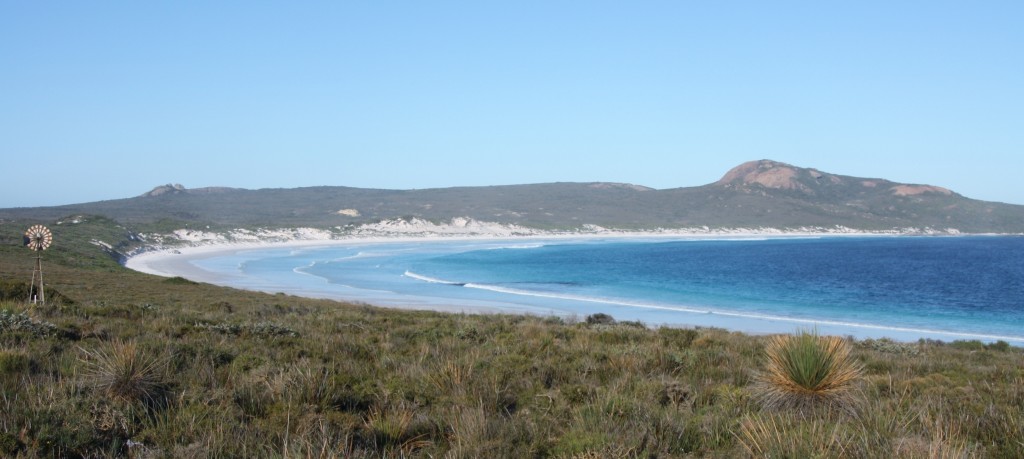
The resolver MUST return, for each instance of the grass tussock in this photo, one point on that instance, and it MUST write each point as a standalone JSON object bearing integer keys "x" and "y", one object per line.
{"x": 778, "y": 436}
{"x": 806, "y": 371}
{"x": 123, "y": 370}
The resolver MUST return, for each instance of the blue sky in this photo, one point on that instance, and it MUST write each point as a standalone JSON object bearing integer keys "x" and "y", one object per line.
{"x": 105, "y": 100}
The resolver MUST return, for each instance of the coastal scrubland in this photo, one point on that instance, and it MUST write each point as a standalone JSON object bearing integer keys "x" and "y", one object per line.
{"x": 123, "y": 364}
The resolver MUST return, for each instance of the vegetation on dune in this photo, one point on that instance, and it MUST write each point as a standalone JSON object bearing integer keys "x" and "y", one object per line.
{"x": 140, "y": 366}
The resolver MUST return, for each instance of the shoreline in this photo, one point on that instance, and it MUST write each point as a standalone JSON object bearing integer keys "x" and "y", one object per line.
{"x": 151, "y": 261}
{"x": 170, "y": 262}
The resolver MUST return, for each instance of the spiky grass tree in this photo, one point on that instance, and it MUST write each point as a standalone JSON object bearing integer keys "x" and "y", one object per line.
{"x": 125, "y": 371}
{"x": 806, "y": 372}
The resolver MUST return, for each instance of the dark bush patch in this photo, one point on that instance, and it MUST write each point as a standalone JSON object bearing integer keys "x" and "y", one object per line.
{"x": 178, "y": 280}
{"x": 968, "y": 345}
{"x": 9, "y": 444}
{"x": 19, "y": 291}
{"x": 1001, "y": 346}
{"x": 600, "y": 318}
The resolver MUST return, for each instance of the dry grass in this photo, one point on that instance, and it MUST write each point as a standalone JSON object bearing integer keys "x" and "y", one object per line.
{"x": 777, "y": 436}
{"x": 398, "y": 429}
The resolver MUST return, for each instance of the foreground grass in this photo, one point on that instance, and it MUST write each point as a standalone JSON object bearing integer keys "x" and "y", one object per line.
{"x": 135, "y": 365}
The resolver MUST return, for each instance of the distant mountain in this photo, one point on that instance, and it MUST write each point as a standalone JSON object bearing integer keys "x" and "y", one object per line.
{"x": 177, "y": 188}
{"x": 752, "y": 195}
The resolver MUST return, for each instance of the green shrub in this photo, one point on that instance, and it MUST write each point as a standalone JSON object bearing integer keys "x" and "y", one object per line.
{"x": 9, "y": 444}
{"x": 13, "y": 291}
{"x": 1001, "y": 346}
{"x": 19, "y": 291}
{"x": 677, "y": 337}
{"x": 889, "y": 346}
{"x": 600, "y": 318}
{"x": 578, "y": 394}
{"x": 14, "y": 362}
{"x": 968, "y": 345}
{"x": 259, "y": 329}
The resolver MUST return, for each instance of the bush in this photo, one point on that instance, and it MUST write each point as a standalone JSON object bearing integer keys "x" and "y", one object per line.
{"x": 14, "y": 322}
{"x": 14, "y": 362}
{"x": 968, "y": 345}
{"x": 806, "y": 371}
{"x": 889, "y": 346}
{"x": 259, "y": 329}
{"x": 600, "y": 319}
{"x": 1001, "y": 346}
{"x": 9, "y": 444}
{"x": 19, "y": 291}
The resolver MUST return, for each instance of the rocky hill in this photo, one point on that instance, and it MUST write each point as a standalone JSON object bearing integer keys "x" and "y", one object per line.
{"x": 757, "y": 194}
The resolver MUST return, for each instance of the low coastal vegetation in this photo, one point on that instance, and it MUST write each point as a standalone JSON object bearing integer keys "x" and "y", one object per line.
{"x": 119, "y": 364}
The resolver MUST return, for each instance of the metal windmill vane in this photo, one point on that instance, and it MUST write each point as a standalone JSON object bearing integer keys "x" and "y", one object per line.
{"x": 38, "y": 238}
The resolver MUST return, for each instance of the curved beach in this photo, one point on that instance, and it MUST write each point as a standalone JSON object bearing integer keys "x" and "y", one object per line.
{"x": 205, "y": 263}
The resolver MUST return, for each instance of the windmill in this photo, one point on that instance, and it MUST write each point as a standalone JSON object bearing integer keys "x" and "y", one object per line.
{"x": 38, "y": 238}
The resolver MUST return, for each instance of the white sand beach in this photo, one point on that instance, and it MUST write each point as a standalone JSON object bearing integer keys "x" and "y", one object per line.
{"x": 175, "y": 260}
{"x": 192, "y": 247}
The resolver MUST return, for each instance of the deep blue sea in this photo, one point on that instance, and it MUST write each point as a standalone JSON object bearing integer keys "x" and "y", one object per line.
{"x": 901, "y": 287}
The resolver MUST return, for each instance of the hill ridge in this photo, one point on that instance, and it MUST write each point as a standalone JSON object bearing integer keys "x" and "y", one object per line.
{"x": 756, "y": 194}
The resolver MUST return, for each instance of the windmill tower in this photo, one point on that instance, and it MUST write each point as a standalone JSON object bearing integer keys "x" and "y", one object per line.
{"x": 38, "y": 238}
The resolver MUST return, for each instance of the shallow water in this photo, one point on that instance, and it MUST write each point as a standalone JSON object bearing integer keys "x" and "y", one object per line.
{"x": 901, "y": 287}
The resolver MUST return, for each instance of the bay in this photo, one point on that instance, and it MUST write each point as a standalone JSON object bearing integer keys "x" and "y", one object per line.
{"x": 900, "y": 287}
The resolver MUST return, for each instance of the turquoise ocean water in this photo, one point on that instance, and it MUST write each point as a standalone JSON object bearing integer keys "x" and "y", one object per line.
{"x": 901, "y": 287}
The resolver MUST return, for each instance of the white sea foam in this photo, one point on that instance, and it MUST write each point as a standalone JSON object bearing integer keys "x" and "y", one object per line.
{"x": 432, "y": 280}
{"x": 359, "y": 255}
{"x": 302, "y": 269}
{"x": 720, "y": 312}
{"x": 517, "y": 247}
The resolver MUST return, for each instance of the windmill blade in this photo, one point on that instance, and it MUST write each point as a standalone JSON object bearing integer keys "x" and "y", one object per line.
{"x": 38, "y": 237}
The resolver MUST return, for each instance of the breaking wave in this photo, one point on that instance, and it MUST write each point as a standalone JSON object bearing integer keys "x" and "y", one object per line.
{"x": 702, "y": 310}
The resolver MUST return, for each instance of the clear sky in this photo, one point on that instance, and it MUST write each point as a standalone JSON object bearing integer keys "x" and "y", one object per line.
{"x": 105, "y": 100}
